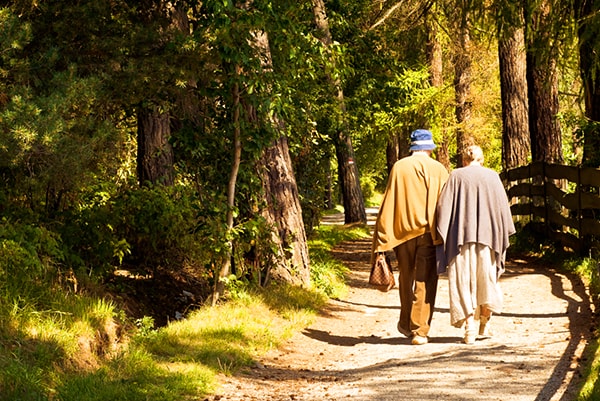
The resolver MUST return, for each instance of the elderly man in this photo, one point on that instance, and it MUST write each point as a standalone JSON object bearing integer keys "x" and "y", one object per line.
{"x": 406, "y": 224}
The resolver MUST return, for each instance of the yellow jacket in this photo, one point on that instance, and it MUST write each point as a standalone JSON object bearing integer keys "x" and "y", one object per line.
{"x": 408, "y": 207}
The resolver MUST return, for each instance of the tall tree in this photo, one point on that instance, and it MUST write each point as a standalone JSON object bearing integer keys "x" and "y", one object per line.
{"x": 462, "y": 76}
{"x": 587, "y": 13}
{"x": 542, "y": 82}
{"x": 225, "y": 268}
{"x": 354, "y": 205}
{"x": 513, "y": 85}
{"x": 436, "y": 74}
{"x": 288, "y": 259}
{"x": 155, "y": 158}
{"x": 290, "y": 263}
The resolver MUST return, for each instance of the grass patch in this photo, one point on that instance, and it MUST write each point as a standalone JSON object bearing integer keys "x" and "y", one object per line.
{"x": 57, "y": 345}
{"x": 590, "y": 390}
{"x": 138, "y": 375}
{"x": 177, "y": 362}
{"x": 181, "y": 361}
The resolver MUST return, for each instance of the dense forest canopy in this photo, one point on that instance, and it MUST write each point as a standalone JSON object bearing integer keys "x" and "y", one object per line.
{"x": 212, "y": 135}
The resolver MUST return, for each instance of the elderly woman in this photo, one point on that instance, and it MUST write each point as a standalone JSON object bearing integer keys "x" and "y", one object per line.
{"x": 474, "y": 221}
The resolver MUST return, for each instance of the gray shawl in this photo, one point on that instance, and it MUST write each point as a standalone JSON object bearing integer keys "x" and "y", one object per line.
{"x": 473, "y": 207}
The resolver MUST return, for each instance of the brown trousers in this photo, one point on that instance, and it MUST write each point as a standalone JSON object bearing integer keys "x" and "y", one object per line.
{"x": 418, "y": 280}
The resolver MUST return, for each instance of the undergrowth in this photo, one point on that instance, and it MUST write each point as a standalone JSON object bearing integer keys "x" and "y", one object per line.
{"x": 68, "y": 345}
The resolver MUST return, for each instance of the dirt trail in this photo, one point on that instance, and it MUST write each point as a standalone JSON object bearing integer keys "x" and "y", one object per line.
{"x": 353, "y": 350}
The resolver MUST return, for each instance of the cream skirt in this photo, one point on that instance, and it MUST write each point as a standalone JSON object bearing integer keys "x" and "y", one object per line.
{"x": 472, "y": 279}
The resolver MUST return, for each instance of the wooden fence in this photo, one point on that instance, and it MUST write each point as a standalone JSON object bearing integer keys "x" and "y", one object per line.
{"x": 561, "y": 201}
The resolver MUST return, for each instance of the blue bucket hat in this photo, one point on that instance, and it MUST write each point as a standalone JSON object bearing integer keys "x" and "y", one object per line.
{"x": 421, "y": 139}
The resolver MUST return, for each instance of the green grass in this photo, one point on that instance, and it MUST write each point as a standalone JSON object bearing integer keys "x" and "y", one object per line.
{"x": 590, "y": 390}
{"x": 34, "y": 341}
{"x": 57, "y": 345}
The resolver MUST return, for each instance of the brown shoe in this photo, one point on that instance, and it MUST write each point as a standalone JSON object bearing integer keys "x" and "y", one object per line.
{"x": 419, "y": 340}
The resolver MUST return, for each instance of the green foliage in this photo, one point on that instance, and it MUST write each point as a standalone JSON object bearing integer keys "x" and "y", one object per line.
{"x": 42, "y": 324}
{"x": 157, "y": 223}
{"x": 368, "y": 185}
{"x": 146, "y": 228}
{"x": 387, "y": 106}
{"x": 29, "y": 258}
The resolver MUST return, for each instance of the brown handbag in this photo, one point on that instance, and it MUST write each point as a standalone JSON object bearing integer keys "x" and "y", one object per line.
{"x": 382, "y": 276}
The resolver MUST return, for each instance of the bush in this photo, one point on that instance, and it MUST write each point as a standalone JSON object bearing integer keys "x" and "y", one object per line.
{"x": 143, "y": 228}
{"x": 29, "y": 257}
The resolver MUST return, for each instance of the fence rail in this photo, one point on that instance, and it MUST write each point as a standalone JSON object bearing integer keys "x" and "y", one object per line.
{"x": 562, "y": 201}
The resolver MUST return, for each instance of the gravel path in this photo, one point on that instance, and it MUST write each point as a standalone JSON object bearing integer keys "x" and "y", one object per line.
{"x": 353, "y": 350}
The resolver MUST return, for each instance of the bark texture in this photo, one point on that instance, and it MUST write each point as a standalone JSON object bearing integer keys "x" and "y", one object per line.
{"x": 283, "y": 212}
{"x": 155, "y": 154}
{"x": 513, "y": 90}
{"x": 589, "y": 64}
{"x": 290, "y": 262}
{"x": 462, "y": 85}
{"x": 542, "y": 87}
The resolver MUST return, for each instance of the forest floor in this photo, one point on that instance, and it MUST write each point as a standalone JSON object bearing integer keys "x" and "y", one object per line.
{"x": 354, "y": 351}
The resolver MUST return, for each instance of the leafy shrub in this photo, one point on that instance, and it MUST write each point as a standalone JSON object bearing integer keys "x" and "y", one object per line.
{"x": 167, "y": 228}
{"x": 29, "y": 257}
{"x": 146, "y": 228}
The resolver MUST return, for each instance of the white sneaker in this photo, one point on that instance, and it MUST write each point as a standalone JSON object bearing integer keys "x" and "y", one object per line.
{"x": 470, "y": 331}
{"x": 419, "y": 340}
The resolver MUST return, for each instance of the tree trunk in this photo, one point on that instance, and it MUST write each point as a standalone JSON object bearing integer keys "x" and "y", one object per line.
{"x": 462, "y": 85}
{"x": 225, "y": 270}
{"x": 354, "y": 205}
{"x": 587, "y": 15}
{"x": 436, "y": 79}
{"x": 283, "y": 212}
{"x": 155, "y": 154}
{"x": 443, "y": 152}
{"x": 392, "y": 152}
{"x": 434, "y": 54}
{"x": 542, "y": 87}
{"x": 290, "y": 263}
{"x": 513, "y": 91}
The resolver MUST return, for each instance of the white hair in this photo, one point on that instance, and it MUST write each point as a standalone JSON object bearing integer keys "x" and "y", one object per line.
{"x": 473, "y": 153}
